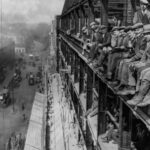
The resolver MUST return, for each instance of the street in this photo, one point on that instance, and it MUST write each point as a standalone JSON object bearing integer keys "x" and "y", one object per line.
{"x": 11, "y": 117}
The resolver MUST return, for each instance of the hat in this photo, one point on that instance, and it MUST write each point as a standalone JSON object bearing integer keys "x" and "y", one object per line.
{"x": 122, "y": 28}
{"x": 147, "y": 38}
{"x": 85, "y": 31}
{"x": 146, "y": 29}
{"x": 144, "y": 2}
{"x": 92, "y": 24}
{"x": 84, "y": 28}
{"x": 137, "y": 26}
{"x": 97, "y": 20}
{"x": 115, "y": 28}
{"x": 128, "y": 28}
{"x": 103, "y": 27}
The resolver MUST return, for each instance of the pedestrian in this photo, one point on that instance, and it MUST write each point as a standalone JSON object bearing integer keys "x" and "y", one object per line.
{"x": 24, "y": 117}
{"x": 27, "y": 75}
{"x": 23, "y": 106}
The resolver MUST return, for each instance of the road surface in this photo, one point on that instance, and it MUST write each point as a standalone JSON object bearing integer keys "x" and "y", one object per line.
{"x": 12, "y": 121}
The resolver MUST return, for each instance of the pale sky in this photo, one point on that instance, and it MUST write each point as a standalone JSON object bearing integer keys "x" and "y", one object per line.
{"x": 30, "y": 10}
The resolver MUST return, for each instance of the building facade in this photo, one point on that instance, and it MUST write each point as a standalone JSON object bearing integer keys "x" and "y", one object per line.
{"x": 20, "y": 50}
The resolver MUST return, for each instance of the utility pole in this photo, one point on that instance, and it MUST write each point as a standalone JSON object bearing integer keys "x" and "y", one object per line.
{"x": 12, "y": 83}
{"x": 12, "y": 90}
{"x": 46, "y": 144}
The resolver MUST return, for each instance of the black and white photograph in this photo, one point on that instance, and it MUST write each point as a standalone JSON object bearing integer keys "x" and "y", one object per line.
{"x": 74, "y": 74}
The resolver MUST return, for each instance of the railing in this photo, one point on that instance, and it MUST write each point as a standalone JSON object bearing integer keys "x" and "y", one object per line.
{"x": 71, "y": 55}
{"x": 77, "y": 48}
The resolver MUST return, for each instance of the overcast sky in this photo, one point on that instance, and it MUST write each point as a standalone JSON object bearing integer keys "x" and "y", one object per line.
{"x": 31, "y": 10}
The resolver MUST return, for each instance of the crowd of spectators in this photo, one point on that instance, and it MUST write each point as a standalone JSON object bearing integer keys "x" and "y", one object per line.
{"x": 122, "y": 54}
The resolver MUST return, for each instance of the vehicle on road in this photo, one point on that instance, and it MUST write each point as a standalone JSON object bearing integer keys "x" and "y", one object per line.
{"x": 38, "y": 77}
{"x": 3, "y": 72}
{"x": 18, "y": 71}
{"x": 2, "y": 77}
{"x": 31, "y": 79}
{"x": 4, "y": 97}
{"x": 33, "y": 64}
{"x": 17, "y": 77}
{"x": 15, "y": 81}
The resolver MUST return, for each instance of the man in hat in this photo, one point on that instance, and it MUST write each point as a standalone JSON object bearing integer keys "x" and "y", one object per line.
{"x": 142, "y": 69}
{"x": 96, "y": 38}
{"x": 120, "y": 51}
{"x": 104, "y": 47}
{"x": 85, "y": 38}
{"x": 125, "y": 86}
{"x": 143, "y": 14}
{"x": 129, "y": 44}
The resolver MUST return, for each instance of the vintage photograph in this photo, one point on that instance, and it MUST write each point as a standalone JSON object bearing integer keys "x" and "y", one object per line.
{"x": 74, "y": 74}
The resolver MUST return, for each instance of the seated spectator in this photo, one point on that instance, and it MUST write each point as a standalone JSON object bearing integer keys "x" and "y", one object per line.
{"x": 68, "y": 32}
{"x": 142, "y": 68}
{"x": 130, "y": 41}
{"x": 85, "y": 38}
{"x": 104, "y": 47}
{"x": 120, "y": 50}
{"x": 142, "y": 97}
{"x": 127, "y": 83}
{"x": 78, "y": 35}
{"x": 142, "y": 14}
{"x": 96, "y": 38}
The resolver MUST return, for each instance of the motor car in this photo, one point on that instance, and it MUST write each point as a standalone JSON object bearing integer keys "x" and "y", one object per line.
{"x": 17, "y": 77}
{"x": 38, "y": 77}
{"x": 5, "y": 99}
{"x": 31, "y": 79}
{"x": 2, "y": 77}
{"x": 37, "y": 58}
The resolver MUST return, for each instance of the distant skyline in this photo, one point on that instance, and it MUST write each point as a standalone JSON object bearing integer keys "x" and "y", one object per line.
{"x": 31, "y": 11}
